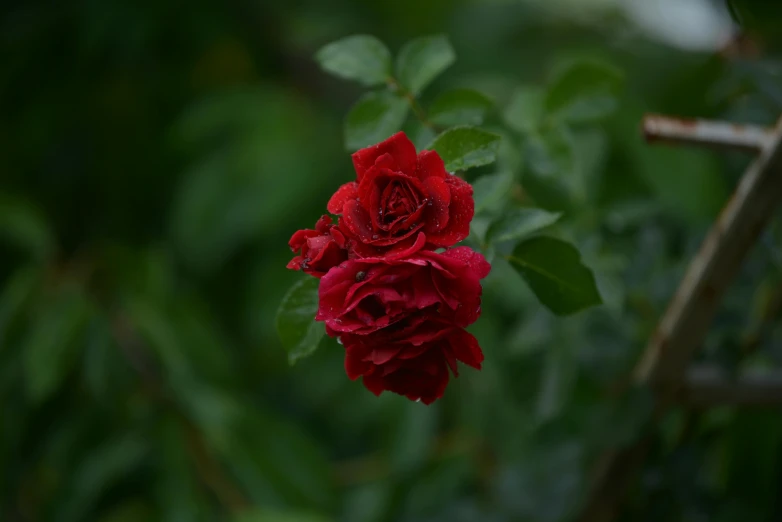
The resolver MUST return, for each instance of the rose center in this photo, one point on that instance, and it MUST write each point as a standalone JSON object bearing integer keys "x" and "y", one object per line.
{"x": 399, "y": 201}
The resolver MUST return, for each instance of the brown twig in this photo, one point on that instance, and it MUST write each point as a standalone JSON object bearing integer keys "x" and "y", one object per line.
{"x": 705, "y": 133}
{"x": 708, "y": 386}
{"x": 685, "y": 323}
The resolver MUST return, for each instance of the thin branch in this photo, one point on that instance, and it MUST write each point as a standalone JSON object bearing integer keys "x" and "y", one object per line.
{"x": 707, "y": 387}
{"x": 394, "y": 85}
{"x": 690, "y": 312}
{"x": 714, "y": 134}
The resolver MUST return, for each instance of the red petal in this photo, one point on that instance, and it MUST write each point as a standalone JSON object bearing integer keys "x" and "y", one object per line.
{"x": 357, "y": 220}
{"x": 345, "y": 193}
{"x": 437, "y": 213}
{"x": 474, "y": 260}
{"x": 398, "y": 146}
{"x": 406, "y": 251}
{"x": 430, "y": 165}
{"x": 300, "y": 237}
{"x": 461, "y": 210}
{"x": 295, "y": 263}
{"x": 323, "y": 223}
{"x": 354, "y": 367}
{"x": 374, "y": 382}
{"x": 383, "y": 354}
{"x": 465, "y": 347}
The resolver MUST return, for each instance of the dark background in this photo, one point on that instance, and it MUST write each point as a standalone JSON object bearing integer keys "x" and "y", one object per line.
{"x": 155, "y": 158}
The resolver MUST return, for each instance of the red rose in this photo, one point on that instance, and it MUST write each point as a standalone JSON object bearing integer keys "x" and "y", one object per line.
{"x": 361, "y": 296}
{"x": 411, "y": 360}
{"x": 321, "y": 249}
{"x": 397, "y": 194}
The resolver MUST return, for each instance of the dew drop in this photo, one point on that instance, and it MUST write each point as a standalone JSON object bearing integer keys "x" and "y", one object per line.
{"x": 418, "y": 400}
{"x": 375, "y": 236}
{"x": 360, "y": 275}
{"x": 339, "y": 340}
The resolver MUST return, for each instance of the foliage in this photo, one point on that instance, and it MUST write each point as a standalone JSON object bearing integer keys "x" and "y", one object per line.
{"x": 154, "y": 160}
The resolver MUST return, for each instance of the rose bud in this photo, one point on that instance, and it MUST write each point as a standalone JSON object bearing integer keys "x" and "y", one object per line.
{"x": 320, "y": 249}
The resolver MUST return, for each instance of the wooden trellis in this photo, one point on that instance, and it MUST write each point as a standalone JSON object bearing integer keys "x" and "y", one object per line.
{"x": 683, "y": 327}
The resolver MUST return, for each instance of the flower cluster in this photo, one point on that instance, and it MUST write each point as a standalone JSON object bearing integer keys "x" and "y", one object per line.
{"x": 393, "y": 288}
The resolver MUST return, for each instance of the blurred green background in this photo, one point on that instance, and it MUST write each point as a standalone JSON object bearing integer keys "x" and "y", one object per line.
{"x": 155, "y": 157}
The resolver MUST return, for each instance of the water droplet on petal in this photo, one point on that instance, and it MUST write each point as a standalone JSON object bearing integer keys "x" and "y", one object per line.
{"x": 339, "y": 340}
{"x": 375, "y": 236}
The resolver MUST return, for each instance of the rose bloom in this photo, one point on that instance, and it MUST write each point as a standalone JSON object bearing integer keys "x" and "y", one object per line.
{"x": 396, "y": 195}
{"x": 411, "y": 357}
{"x": 363, "y": 295}
{"x": 401, "y": 319}
{"x": 320, "y": 249}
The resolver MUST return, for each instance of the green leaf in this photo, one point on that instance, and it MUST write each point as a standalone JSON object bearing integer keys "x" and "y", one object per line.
{"x": 421, "y": 60}
{"x": 296, "y": 325}
{"x": 459, "y": 107}
{"x": 550, "y": 153}
{"x": 25, "y": 226}
{"x": 360, "y": 57}
{"x": 520, "y": 222}
{"x": 374, "y": 117}
{"x": 50, "y": 349}
{"x": 583, "y": 92}
{"x": 490, "y": 189}
{"x": 525, "y": 109}
{"x": 553, "y": 270}
{"x": 265, "y": 515}
{"x": 465, "y": 147}
{"x": 551, "y": 178}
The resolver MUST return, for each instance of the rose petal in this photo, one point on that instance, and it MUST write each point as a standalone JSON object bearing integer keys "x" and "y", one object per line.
{"x": 383, "y": 354}
{"x": 430, "y": 165}
{"x": 405, "y": 251}
{"x": 355, "y": 366}
{"x": 437, "y": 212}
{"x": 465, "y": 348}
{"x": 323, "y": 223}
{"x": 345, "y": 193}
{"x": 300, "y": 237}
{"x": 398, "y": 146}
{"x": 357, "y": 221}
{"x": 461, "y": 210}
{"x": 374, "y": 383}
{"x": 295, "y": 263}
{"x": 474, "y": 260}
